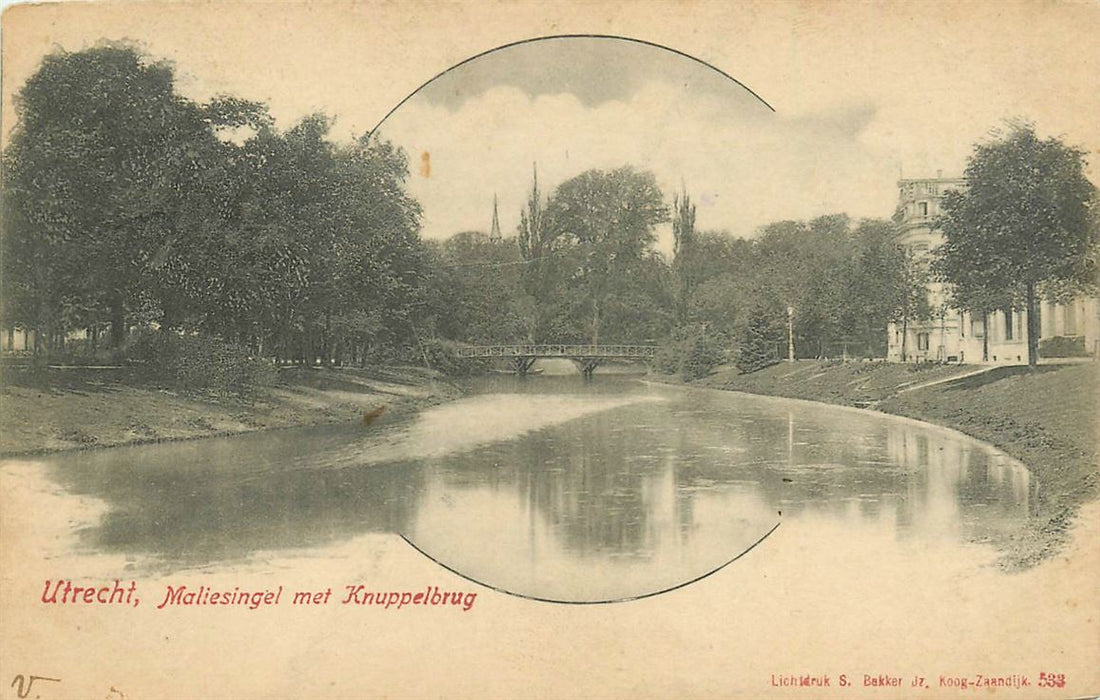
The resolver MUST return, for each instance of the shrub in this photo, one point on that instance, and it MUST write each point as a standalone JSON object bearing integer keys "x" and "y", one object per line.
{"x": 200, "y": 362}
{"x": 757, "y": 347}
{"x": 922, "y": 366}
{"x": 1063, "y": 346}
{"x": 692, "y": 352}
{"x": 441, "y": 356}
{"x": 667, "y": 359}
{"x": 704, "y": 352}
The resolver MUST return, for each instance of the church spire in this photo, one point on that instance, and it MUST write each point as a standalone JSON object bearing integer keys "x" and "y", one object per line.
{"x": 494, "y": 232}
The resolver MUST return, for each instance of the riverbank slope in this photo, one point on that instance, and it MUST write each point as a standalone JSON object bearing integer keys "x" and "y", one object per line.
{"x": 62, "y": 409}
{"x": 1046, "y": 418}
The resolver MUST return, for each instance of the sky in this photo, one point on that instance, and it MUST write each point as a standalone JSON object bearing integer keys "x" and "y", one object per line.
{"x": 860, "y": 93}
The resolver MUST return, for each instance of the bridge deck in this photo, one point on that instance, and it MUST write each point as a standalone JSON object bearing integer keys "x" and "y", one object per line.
{"x": 637, "y": 352}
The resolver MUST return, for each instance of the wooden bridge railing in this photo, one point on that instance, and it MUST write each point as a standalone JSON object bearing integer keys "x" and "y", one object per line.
{"x": 640, "y": 352}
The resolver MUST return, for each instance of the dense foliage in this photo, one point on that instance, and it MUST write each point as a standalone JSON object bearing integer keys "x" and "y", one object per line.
{"x": 720, "y": 299}
{"x": 127, "y": 205}
{"x": 581, "y": 269}
{"x": 842, "y": 282}
{"x": 200, "y": 362}
{"x": 1026, "y": 220}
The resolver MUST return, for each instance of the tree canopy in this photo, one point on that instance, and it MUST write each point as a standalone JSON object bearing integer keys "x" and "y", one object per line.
{"x": 1026, "y": 218}
{"x": 605, "y": 225}
{"x": 127, "y": 204}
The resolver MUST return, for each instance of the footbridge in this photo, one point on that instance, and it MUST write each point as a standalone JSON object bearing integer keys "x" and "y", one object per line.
{"x": 587, "y": 357}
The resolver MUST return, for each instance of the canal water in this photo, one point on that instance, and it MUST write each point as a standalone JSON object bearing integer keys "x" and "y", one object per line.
{"x": 549, "y": 487}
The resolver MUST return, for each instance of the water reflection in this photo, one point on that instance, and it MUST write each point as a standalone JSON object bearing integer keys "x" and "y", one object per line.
{"x": 190, "y": 504}
{"x": 553, "y": 487}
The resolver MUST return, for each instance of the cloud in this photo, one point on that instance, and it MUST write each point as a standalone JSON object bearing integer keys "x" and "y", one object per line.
{"x": 593, "y": 69}
{"x": 744, "y": 166}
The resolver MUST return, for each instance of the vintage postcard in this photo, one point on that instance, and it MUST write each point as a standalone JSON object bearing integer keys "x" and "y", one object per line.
{"x": 512, "y": 350}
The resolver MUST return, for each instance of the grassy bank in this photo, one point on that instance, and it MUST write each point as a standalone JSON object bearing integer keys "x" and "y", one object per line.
{"x": 1046, "y": 418}
{"x": 62, "y": 409}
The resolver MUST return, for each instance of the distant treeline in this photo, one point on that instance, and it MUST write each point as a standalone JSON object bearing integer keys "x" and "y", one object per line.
{"x": 583, "y": 269}
{"x": 127, "y": 205}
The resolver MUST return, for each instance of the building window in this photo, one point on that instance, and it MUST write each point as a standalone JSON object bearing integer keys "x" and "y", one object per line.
{"x": 977, "y": 328}
{"x": 1069, "y": 319}
{"x": 922, "y": 341}
{"x": 1008, "y": 324}
{"x": 922, "y": 208}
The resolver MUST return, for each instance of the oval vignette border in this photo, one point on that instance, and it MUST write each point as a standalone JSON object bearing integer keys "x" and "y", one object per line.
{"x": 552, "y": 37}
{"x": 460, "y": 64}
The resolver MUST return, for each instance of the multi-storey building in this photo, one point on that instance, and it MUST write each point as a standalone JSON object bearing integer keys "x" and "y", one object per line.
{"x": 951, "y": 335}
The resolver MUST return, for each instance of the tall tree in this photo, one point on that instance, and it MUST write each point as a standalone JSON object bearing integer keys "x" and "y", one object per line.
{"x": 609, "y": 218}
{"x": 96, "y": 164}
{"x": 800, "y": 265}
{"x": 882, "y": 282}
{"x": 1023, "y": 220}
{"x": 535, "y": 245}
{"x": 683, "y": 250}
{"x": 126, "y": 202}
{"x": 531, "y": 234}
{"x": 477, "y": 294}
{"x": 909, "y": 295}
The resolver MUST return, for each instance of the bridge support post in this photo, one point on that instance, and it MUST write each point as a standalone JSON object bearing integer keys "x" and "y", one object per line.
{"x": 521, "y": 365}
{"x": 586, "y": 365}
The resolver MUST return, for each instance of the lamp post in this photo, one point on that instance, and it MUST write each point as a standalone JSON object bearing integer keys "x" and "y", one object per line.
{"x": 790, "y": 334}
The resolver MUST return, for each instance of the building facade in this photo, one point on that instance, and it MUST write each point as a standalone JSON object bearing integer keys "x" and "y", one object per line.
{"x": 15, "y": 340}
{"x": 1000, "y": 337}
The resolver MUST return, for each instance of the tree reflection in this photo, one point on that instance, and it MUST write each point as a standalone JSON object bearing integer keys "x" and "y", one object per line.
{"x": 688, "y": 479}
{"x": 189, "y": 504}
{"x": 627, "y": 482}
